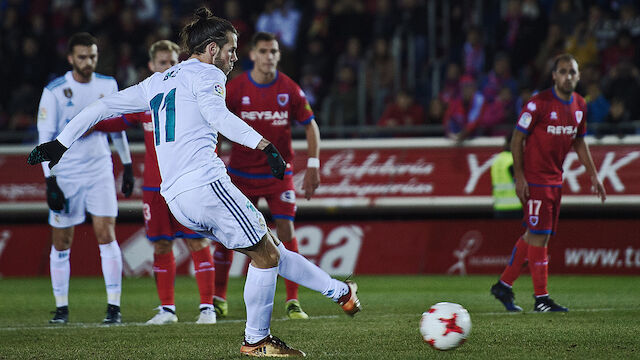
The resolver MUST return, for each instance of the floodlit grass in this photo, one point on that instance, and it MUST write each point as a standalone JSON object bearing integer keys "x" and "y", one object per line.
{"x": 604, "y": 321}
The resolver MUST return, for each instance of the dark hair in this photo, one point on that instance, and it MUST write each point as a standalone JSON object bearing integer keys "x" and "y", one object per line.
{"x": 262, "y": 36}
{"x": 82, "y": 38}
{"x": 563, "y": 58}
{"x": 204, "y": 29}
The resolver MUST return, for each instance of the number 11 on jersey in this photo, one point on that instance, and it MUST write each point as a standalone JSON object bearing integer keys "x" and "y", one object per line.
{"x": 170, "y": 114}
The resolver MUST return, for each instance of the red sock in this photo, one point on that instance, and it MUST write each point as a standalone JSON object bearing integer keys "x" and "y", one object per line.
{"x": 292, "y": 288}
{"x": 164, "y": 270}
{"x": 539, "y": 266}
{"x": 222, "y": 258}
{"x": 518, "y": 257}
{"x": 205, "y": 273}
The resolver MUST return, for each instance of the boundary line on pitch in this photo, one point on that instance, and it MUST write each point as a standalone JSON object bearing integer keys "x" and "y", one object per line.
{"x": 98, "y": 325}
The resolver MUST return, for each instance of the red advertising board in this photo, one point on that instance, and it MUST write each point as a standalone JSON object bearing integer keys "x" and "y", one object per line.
{"x": 371, "y": 175}
{"x": 362, "y": 247}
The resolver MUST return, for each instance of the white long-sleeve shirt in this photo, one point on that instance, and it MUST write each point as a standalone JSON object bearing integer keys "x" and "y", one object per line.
{"x": 61, "y": 100}
{"x": 187, "y": 103}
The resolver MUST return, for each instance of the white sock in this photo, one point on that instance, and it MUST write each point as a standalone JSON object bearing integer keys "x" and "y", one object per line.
{"x": 298, "y": 269}
{"x": 259, "y": 290}
{"x": 60, "y": 271}
{"x": 112, "y": 271}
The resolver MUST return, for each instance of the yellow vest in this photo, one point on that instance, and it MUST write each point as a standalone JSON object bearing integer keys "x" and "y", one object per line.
{"x": 504, "y": 188}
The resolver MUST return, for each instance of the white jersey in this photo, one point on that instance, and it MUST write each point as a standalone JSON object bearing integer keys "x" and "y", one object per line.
{"x": 187, "y": 103}
{"x": 62, "y": 99}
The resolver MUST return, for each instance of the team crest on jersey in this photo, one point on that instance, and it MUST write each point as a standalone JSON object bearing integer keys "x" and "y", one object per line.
{"x": 283, "y": 99}
{"x": 68, "y": 93}
{"x": 533, "y": 220}
{"x": 531, "y": 106}
{"x": 578, "y": 116}
{"x": 288, "y": 196}
{"x": 218, "y": 89}
{"x": 246, "y": 100}
{"x": 553, "y": 115}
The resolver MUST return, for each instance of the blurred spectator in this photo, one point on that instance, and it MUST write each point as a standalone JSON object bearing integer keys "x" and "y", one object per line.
{"x": 384, "y": 19}
{"x": 623, "y": 82}
{"x": 340, "y": 105}
{"x": 565, "y": 14}
{"x": 316, "y": 61}
{"x": 498, "y": 78}
{"x": 463, "y": 113}
{"x": 473, "y": 52}
{"x": 601, "y": 26}
{"x": 312, "y": 85}
{"x": 435, "y": 112}
{"x": 623, "y": 49}
{"x": 451, "y": 85}
{"x": 597, "y": 108}
{"x": 380, "y": 75}
{"x": 320, "y": 20}
{"x": 630, "y": 20}
{"x": 282, "y": 19}
{"x": 348, "y": 19}
{"x": 404, "y": 111}
{"x": 521, "y": 30}
{"x": 497, "y": 115}
{"x": 582, "y": 45}
{"x": 233, "y": 13}
{"x": 352, "y": 56}
{"x": 618, "y": 119}
{"x": 553, "y": 45}
{"x": 523, "y": 97}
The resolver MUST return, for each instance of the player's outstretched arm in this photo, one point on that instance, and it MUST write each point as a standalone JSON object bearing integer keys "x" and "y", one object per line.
{"x": 312, "y": 174}
{"x": 584, "y": 155}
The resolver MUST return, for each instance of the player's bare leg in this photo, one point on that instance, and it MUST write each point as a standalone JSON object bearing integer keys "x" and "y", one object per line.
{"x": 164, "y": 271}
{"x": 539, "y": 268}
{"x": 205, "y": 277}
{"x": 60, "y": 269}
{"x": 111, "y": 258}
{"x": 284, "y": 229}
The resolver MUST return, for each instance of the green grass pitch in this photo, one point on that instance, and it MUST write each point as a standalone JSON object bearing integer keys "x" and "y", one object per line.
{"x": 604, "y": 321}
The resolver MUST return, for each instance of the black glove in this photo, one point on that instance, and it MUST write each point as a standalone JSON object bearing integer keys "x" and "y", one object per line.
{"x": 55, "y": 196}
{"x": 127, "y": 180}
{"x": 275, "y": 160}
{"x": 50, "y": 151}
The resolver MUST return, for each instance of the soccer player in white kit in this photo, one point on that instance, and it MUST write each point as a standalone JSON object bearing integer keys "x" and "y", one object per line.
{"x": 83, "y": 179}
{"x": 188, "y": 106}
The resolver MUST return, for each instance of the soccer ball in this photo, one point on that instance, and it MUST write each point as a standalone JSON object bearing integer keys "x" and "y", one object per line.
{"x": 445, "y": 326}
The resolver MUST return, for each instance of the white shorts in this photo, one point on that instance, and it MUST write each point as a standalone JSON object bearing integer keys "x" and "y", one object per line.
{"x": 220, "y": 212}
{"x": 95, "y": 195}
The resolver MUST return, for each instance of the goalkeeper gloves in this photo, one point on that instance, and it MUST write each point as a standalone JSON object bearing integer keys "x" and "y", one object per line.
{"x": 55, "y": 196}
{"x": 50, "y": 151}
{"x": 127, "y": 180}
{"x": 275, "y": 160}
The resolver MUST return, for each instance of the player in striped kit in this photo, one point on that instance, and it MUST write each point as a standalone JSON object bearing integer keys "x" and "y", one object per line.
{"x": 270, "y": 102}
{"x": 551, "y": 124}
{"x": 188, "y": 107}
{"x": 161, "y": 227}
{"x": 83, "y": 180}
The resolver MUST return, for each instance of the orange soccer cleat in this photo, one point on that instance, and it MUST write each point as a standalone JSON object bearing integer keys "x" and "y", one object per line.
{"x": 270, "y": 346}
{"x": 350, "y": 302}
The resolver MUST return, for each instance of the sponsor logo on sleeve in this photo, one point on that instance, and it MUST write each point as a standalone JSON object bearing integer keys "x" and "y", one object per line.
{"x": 525, "y": 120}
{"x": 283, "y": 99}
{"x": 42, "y": 114}
{"x": 218, "y": 89}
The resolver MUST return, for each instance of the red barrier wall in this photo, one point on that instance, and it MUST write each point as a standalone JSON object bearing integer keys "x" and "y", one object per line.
{"x": 363, "y": 247}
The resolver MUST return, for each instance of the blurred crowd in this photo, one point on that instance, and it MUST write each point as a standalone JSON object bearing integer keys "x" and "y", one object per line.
{"x": 362, "y": 63}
